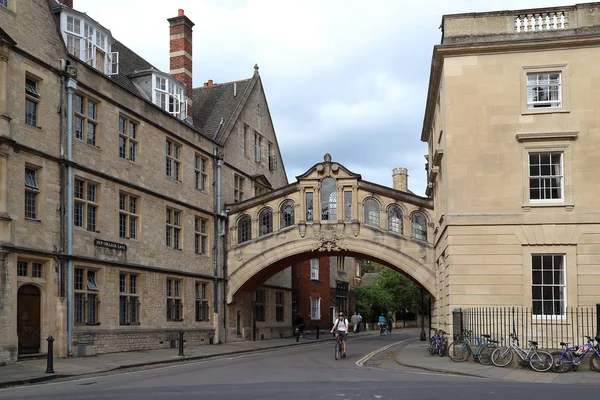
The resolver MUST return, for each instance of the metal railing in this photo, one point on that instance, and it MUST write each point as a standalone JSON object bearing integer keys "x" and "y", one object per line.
{"x": 547, "y": 330}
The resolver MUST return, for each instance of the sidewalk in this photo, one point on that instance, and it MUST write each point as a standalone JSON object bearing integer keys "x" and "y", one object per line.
{"x": 414, "y": 354}
{"x": 31, "y": 371}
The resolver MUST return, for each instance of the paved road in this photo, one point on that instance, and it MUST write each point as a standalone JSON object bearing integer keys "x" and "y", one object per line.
{"x": 308, "y": 372}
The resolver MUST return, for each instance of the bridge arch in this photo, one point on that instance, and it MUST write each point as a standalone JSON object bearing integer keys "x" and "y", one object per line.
{"x": 332, "y": 216}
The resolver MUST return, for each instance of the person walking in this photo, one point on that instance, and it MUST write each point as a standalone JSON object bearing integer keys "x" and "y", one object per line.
{"x": 359, "y": 319}
{"x": 300, "y": 324}
{"x": 354, "y": 321}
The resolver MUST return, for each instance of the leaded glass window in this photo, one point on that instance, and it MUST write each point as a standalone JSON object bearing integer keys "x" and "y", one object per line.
{"x": 347, "y": 206}
{"x": 395, "y": 220}
{"x": 372, "y": 212}
{"x": 309, "y": 206}
{"x": 419, "y": 226}
{"x": 265, "y": 219}
{"x": 244, "y": 229}
{"x": 287, "y": 214}
{"x": 328, "y": 200}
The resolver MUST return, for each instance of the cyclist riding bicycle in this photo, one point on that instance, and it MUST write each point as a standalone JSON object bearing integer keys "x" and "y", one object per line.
{"x": 382, "y": 322}
{"x": 341, "y": 329}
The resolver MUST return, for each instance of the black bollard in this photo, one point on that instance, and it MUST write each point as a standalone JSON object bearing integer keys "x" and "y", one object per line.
{"x": 297, "y": 334}
{"x": 181, "y": 343}
{"x": 317, "y": 331}
{"x": 50, "y": 363}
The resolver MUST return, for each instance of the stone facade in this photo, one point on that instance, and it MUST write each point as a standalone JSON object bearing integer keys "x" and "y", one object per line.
{"x": 488, "y": 131}
{"x": 134, "y": 286}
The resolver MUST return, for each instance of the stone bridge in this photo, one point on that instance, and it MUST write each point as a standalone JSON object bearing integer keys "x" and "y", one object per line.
{"x": 328, "y": 211}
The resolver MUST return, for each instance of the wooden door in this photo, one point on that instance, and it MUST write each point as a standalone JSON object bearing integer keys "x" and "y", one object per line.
{"x": 28, "y": 319}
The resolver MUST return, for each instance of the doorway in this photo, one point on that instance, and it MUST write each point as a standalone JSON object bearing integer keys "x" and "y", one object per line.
{"x": 28, "y": 319}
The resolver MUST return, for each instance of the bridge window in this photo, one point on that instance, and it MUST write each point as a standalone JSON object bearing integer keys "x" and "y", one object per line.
{"x": 395, "y": 220}
{"x": 419, "y": 226}
{"x": 309, "y": 206}
{"x": 244, "y": 229}
{"x": 287, "y": 214}
{"x": 372, "y": 212}
{"x": 328, "y": 200}
{"x": 265, "y": 220}
{"x": 347, "y": 206}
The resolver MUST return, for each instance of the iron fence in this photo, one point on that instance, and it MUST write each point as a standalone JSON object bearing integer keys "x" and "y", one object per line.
{"x": 547, "y": 330}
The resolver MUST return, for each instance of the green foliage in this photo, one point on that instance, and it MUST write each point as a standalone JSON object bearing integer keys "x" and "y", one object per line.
{"x": 391, "y": 292}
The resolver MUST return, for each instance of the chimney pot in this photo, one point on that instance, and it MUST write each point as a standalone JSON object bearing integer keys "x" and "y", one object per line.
{"x": 180, "y": 13}
{"x": 68, "y": 3}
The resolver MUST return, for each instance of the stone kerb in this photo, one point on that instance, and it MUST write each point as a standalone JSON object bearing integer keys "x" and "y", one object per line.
{"x": 413, "y": 258}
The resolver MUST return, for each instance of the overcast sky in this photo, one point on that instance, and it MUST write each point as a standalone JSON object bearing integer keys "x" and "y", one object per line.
{"x": 342, "y": 77}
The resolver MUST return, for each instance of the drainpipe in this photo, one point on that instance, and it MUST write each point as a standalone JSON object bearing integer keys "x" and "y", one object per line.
{"x": 218, "y": 250}
{"x": 71, "y": 86}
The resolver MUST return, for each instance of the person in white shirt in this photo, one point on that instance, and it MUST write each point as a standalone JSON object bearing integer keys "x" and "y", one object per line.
{"x": 341, "y": 328}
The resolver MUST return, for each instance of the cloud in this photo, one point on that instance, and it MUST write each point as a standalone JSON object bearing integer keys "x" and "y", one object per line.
{"x": 346, "y": 77}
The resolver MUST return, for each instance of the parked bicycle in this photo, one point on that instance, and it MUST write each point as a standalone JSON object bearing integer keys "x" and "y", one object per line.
{"x": 570, "y": 358}
{"x": 538, "y": 360}
{"x": 438, "y": 343}
{"x": 480, "y": 347}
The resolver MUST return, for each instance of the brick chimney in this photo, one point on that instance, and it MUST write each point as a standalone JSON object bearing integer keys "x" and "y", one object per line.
{"x": 180, "y": 34}
{"x": 400, "y": 179}
{"x": 68, "y": 3}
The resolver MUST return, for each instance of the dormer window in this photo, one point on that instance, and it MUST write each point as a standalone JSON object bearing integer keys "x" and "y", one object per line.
{"x": 168, "y": 94}
{"x": 89, "y": 42}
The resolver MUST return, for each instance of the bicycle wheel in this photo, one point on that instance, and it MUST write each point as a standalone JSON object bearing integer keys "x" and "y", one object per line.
{"x": 458, "y": 351}
{"x": 541, "y": 362}
{"x": 442, "y": 348}
{"x": 502, "y": 356}
{"x": 432, "y": 346}
{"x": 485, "y": 355}
{"x": 561, "y": 363}
{"x": 595, "y": 362}
{"x": 338, "y": 350}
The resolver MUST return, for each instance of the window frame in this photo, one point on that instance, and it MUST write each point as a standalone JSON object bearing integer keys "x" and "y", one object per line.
{"x": 400, "y": 219}
{"x": 174, "y": 303}
{"x": 174, "y": 228}
{"x": 265, "y": 222}
{"x": 129, "y": 215}
{"x": 238, "y": 188}
{"x": 542, "y": 285}
{"x": 244, "y": 232}
{"x": 87, "y": 204}
{"x": 315, "y": 307}
{"x": 314, "y": 269}
{"x": 130, "y": 297}
{"x": 29, "y": 267}
{"x": 370, "y": 218}
{"x": 200, "y": 172}
{"x": 200, "y": 235}
{"x": 128, "y": 139}
{"x": 257, "y": 147}
{"x": 329, "y": 203}
{"x": 563, "y": 70}
{"x": 413, "y": 233}
{"x": 173, "y": 160}
{"x": 33, "y": 98}
{"x": 31, "y": 189}
{"x": 543, "y": 178}
{"x": 89, "y": 314}
{"x": 279, "y": 306}
{"x": 201, "y": 303}
{"x": 287, "y": 214}
{"x": 86, "y": 119}
{"x": 260, "y": 296}
{"x": 5, "y": 4}
{"x": 548, "y": 145}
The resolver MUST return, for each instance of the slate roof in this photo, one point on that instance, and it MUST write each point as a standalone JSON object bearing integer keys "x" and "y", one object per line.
{"x": 129, "y": 63}
{"x": 211, "y": 103}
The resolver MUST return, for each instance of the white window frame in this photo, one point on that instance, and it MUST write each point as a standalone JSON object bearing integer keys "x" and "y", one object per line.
{"x": 542, "y": 178}
{"x": 315, "y": 308}
{"x": 172, "y": 92}
{"x": 562, "y": 285}
{"x": 548, "y": 86}
{"x": 314, "y": 269}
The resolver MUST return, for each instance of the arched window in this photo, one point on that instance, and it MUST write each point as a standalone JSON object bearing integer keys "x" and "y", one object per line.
{"x": 265, "y": 222}
{"x": 328, "y": 200}
{"x": 244, "y": 229}
{"x": 372, "y": 212}
{"x": 287, "y": 214}
{"x": 395, "y": 220}
{"x": 419, "y": 226}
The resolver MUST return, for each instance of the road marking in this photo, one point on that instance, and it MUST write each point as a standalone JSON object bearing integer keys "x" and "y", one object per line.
{"x": 362, "y": 361}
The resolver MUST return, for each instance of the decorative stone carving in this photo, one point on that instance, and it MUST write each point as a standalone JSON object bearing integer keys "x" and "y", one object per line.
{"x": 423, "y": 253}
{"x": 329, "y": 237}
{"x": 327, "y": 157}
{"x": 355, "y": 227}
{"x": 239, "y": 255}
{"x": 302, "y": 229}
